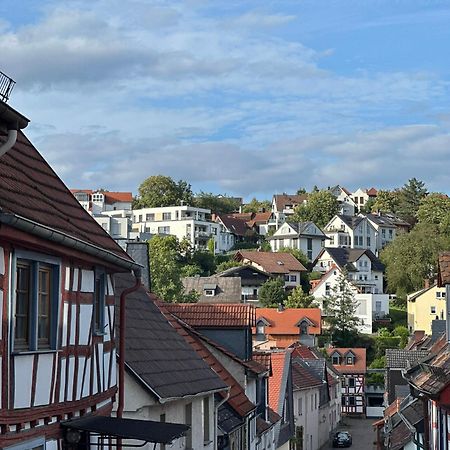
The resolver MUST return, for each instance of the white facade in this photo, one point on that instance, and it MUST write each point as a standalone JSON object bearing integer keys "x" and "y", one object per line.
{"x": 343, "y": 233}
{"x": 308, "y": 238}
{"x": 180, "y": 221}
{"x": 306, "y": 415}
{"x": 347, "y": 206}
{"x": 385, "y": 230}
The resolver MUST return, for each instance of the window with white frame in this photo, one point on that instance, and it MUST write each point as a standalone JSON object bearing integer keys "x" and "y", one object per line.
{"x": 433, "y": 310}
{"x": 209, "y": 292}
{"x": 36, "y": 304}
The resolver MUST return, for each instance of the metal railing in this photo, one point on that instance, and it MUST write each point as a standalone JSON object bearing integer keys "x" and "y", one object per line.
{"x": 6, "y": 86}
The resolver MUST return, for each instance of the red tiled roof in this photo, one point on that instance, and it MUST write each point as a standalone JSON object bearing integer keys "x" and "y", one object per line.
{"x": 303, "y": 352}
{"x": 360, "y": 360}
{"x": 272, "y": 262}
{"x": 110, "y": 197}
{"x": 31, "y": 189}
{"x": 199, "y": 315}
{"x": 282, "y": 200}
{"x": 286, "y": 322}
{"x": 444, "y": 269}
{"x": 263, "y": 358}
{"x": 275, "y": 381}
{"x": 372, "y": 192}
{"x": 303, "y": 377}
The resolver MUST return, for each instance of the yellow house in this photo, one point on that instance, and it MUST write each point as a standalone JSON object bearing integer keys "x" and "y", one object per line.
{"x": 424, "y": 306}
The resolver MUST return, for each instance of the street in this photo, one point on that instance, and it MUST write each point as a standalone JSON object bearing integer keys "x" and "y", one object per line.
{"x": 363, "y": 434}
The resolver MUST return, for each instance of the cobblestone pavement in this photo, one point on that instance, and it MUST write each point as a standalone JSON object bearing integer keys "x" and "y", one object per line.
{"x": 363, "y": 434}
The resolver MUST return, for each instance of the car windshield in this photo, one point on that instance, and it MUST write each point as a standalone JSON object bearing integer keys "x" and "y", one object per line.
{"x": 343, "y": 435}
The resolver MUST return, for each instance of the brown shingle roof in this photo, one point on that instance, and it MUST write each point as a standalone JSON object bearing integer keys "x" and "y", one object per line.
{"x": 31, "y": 189}
{"x": 235, "y": 225}
{"x": 200, "y": 315}
{"x": 272, "y": 262}
{"x": 444, "y": 269}
{"x": 282, "y": 200}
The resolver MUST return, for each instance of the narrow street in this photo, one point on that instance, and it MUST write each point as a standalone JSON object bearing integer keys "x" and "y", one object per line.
{"x": 363, "y": 434}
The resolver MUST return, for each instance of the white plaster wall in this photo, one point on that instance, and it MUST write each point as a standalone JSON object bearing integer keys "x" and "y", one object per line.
{"x": 87, "y": 281}
{"x": 44, "y": 379}
{"x": 85, "y": 323}
{"x": 250, "y": 390}
{"x": 309, "y": 418}
{"x": 67, "y": 279}
{"x": 23, "y": 370}
{"x": 51, "y": 445}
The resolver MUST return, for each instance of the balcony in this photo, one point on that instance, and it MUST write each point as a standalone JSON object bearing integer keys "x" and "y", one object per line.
{"x": 6, "y": 86}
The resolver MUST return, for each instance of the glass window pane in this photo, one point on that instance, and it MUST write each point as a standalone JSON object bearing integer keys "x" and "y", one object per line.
{"x": 44, "y": 307}
{"x": 23, "y": 284}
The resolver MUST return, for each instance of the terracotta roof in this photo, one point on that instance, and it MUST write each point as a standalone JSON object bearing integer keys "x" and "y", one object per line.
{"x": 399, "y": 436}
{"x": 276, "y": 380}
{"x": 393, "y": 408}
{"x": 302, "y": 351}
{"x": 110, "y": 197}
{"x": 272, "y": 262}
{"x": 156, "y": 354}
{"x": 444, "y": 269}
{"x": 360, "y": 359}
{"x": 31, "y": 189}
{"x": 303, "y": 376}
{"x": 202, "y": 315}
{"x": 286, "y": 322}
{"x": 282, "y": 200}
{"x": 372, "y": 192}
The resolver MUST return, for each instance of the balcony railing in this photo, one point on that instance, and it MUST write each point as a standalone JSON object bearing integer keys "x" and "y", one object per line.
{"x": 6, "y": 86}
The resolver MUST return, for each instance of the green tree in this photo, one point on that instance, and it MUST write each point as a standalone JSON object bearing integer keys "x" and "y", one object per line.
{"x": 211, "y": 244}
{"x": 320, "y": 208}
{"x": 165, "y": 268}
{"x": 409, "y": 198}
{"x": 272, "y": 293}
{"x": 255, "y": 206}
{"x": 339, "y": 309}
{"x": 225, "y": 265}
{"x": 403, "y": 333}
{"x": 218, "y": 204}
{"x": 433, "y": 209}
{"x": 412, "y": 257}
{"x": 368, "y": 207}
{"x": 160, "y": 190}
{"x": 298, "y": 298}
{"x": 376, "y": 378}
{"x": 386, "y": 201}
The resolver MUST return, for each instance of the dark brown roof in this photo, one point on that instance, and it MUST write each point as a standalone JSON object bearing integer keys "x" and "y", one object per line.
{"x": 272, "y": 262}
{"x": 444, "y": 268}
{"x": 31, "y": 189}
{"x": 157, "y": 355}
{"x": 201, "y": 315}
{"x": 235, "y": 225}
{"x": 293, "y": 200}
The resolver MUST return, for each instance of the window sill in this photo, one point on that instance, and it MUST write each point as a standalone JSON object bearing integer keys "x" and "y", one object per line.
{"x": 33, "y": 352}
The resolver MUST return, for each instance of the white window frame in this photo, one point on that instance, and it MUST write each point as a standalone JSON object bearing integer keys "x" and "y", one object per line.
{"x": 28, "y": 445}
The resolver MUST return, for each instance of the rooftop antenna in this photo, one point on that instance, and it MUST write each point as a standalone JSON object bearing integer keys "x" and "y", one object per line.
{"x": 6, "y": 87}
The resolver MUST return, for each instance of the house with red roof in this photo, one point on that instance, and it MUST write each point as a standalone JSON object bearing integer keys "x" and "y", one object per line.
{"x": 283, "y": 206}
{"x": 362, "y": 196}
{"x": 282, "y": 327}
{"x": 278, "y": 264}
{"x": 58, "y": 377}
{"x": 351, "y": 364}
{"x": 100, "y": 201}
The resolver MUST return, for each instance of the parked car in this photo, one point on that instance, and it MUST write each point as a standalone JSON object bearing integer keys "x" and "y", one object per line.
{"x": 342, "y": 439}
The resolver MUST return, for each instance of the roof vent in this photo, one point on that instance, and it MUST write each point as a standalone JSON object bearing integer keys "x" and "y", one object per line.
{"x": 280, "y": 263}
{"x": 6, "y": 86}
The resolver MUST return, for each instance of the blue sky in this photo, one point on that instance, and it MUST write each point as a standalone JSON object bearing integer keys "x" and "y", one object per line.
{"x": 246, "y": 98}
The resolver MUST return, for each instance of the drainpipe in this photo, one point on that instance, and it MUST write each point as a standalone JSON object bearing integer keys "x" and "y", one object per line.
{"x": 122, "y": 319}
{"x": 12, "y": 138}
{"x": 216, "y": 414}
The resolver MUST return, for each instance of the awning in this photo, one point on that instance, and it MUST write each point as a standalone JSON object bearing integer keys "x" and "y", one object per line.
{"x": 142, "y": 430}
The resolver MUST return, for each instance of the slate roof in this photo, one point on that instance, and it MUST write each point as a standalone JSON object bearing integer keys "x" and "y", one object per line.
{"x": 346, "y": 257}
{"x": 235, "y": 271}
{"x": 380, "y": 220}
{"x": 351, "y": 221}
{"x": 444, "y": 269}
{"x": 156, "y": 354}
{"x": 31, "y": 189}
{"x": 401, "y": 359}
{"x": 227, "y": 290}
{"x": 272, "y": 262}
{"x": 360, "y": 359}
{"x": 281, "y": 200}
{"x": 285, "y": 322}
{"x": 202, "y": 315}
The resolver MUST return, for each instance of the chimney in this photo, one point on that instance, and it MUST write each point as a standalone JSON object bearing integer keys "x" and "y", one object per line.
{"x": 139, "y": 251}
{"x": 280, "y": 307}
{"x": 426, "y": 283}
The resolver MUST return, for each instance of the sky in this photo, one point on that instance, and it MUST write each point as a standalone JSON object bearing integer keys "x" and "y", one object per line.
{"x": 244, "y": 98}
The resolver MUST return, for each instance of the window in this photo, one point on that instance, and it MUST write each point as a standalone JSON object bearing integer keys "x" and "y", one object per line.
{"x": 312, "y": 402}
{"x": 293, "y": 278}
{"x": 390, "y": 234}
{"x": 349, "y": 360}
{"x": 36, "y": 315}
{"x": 150, "y": 217}
{"x": 206, "y": 431}
{"x": 433, "y": 310}
{"x": 210, "y": 292}
{"x": 300, "y": 406}
{"x": 188, "y": 422}
{"x": 335, "y": 360}
{"x": 351, "y": 401}
{"x": 368, "y": 241}
{"x": 99, "y": 302}
{"x": 383, "y": 232}
{"x": 164, "y": 230}
{"x": 167, "y": 216}
{"x": 351, "y": 382}
{"x": 286, "y": 278}
{"x": 35, "y": 444}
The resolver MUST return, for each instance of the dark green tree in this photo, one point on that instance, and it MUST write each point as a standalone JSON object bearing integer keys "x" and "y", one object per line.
{"x": 218, "y": 204}
{"x": 255, "y": 206}
{"x": 272, "y": 293}
{"x": 298, "y": 298}
{"x": 320, "y": 208}
{"x": 433, "y": 209}
{"x": 340, "y": 311}
{"x": 160, "y": 190}
{"x": 386, "y": 202}
{"x": 225, "y": 265}
{"x": 409, "y": 198}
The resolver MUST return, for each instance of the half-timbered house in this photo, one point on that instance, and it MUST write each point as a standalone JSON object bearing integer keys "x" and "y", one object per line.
{"x": 57, "y": 341}
{"x": 351, "y": 364}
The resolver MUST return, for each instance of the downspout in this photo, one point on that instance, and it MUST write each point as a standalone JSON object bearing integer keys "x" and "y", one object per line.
{"x": 122, "y": 319}
{"x": 216, "y": 414}
{"x": 12, "y": 138}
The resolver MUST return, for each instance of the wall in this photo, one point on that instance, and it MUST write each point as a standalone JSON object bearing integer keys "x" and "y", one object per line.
{"x": 309, "y": 417}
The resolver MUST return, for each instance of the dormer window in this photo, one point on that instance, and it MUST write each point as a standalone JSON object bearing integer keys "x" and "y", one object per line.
{"x": 335, "y": 360}
{"x": 209, "y": 290}
{"x": 349, "y": 360}
{"x": 261, "y": 325}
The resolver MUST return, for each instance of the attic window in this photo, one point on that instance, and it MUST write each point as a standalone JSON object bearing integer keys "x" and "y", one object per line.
{"x": 349, "y": 360}
{"x": 335, "y": 360}
{"x": 210, "y": 292}
{"x": 280, "y": 263}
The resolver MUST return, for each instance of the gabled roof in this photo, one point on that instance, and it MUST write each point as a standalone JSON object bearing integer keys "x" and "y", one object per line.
{"x": 301, "y": 229}
{"x": 380, "y": 220}
{"x": 156, "y": 355}
{"x": 359, "y": 365}
{"x": 110, "y": 197}
{"x": 278, "y": 381}
{"x": 32, "y": 193}
{"x": 346, "y": 257}
{"x": 202, "y": 315}
{"x": 236, "y": 270}
{"x": 281, "y": 200}
{"x": 401, "y": 359}
{"x": 444, "y": 268}
{"x": 286, "y": 322}
{"x": 235, "y": 225}
{"x": 272, "y": 262}
{"x": 304, "y": 376}
{"x": 226, "y": 290}
{"x": 372, "y": 192}
{"x": 351, "y": 221}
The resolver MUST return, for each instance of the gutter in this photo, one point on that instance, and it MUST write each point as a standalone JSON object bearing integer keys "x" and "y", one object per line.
{"x": 50, "y": 234}
{"x": 14, "y": 121}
